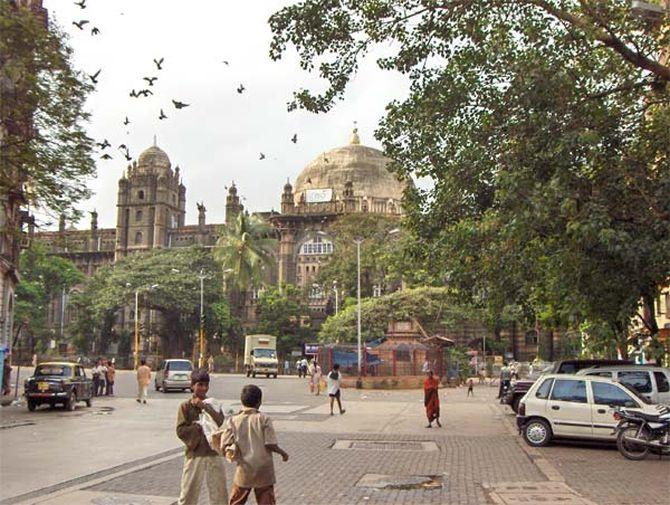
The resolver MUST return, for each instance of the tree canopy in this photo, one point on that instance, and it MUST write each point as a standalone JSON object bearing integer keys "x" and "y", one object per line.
{"x": 42, "y": 137}
{"x": 545, "y": 127}
{"x": 281, "y": 313}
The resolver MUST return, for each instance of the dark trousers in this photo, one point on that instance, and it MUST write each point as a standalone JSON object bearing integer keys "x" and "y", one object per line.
{"x": 110, "y": 388}
{"x": 101, "y": 386}
{"x": 96, "y": 384}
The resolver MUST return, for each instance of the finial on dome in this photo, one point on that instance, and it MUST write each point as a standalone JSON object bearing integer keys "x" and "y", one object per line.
{"x": 355, "y": 139}
{"x": 155, "y": 140}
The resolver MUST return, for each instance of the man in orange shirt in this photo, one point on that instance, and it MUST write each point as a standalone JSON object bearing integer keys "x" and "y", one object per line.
{"x": 143, "y": 380}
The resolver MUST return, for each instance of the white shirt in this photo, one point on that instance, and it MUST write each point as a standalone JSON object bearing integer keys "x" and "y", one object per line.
{"x": 426, "y": 367}
{"x": 333, "y": 384}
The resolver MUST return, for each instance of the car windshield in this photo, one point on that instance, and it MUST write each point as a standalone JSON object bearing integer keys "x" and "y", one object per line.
{"x": 180, "y": 366}
{"x": 59, "y": 370}
{"x": 635, "y": 393}
{"x": 265, "y": 353}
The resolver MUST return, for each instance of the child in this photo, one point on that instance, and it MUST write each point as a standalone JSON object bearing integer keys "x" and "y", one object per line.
{"x": 471, "y": 385}
{"x": 200, "y": 460}
{"x": 254, "y": 436}
{"x": 334, "y": 378}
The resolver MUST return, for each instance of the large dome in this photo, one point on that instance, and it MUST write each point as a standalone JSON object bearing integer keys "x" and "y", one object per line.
{"x": 154, "y": 160}
{"x": 364, "y": 166}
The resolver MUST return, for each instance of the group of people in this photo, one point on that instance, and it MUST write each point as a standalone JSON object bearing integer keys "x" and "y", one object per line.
{"x": 104, "y": 374}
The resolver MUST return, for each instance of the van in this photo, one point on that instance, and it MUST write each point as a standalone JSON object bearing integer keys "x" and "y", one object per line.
{"x": 652, "y": 382}
{"x": 173, "y": 374}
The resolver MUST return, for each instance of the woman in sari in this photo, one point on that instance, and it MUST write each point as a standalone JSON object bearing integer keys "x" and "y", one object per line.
{"x": 431, "y": 400}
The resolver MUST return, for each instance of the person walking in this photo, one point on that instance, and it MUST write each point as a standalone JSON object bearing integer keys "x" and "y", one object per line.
{"x": 505, "y": 379}
{"x": 315, "y": 377}
{"x": 110, "y": 376}
{"x": 201, "y": 462}
{"x": 143, "y": 380}
{"x": 250, "y": 439}
{"x": 210, "y": 364}
{"x": 431, "y": 399}
{"x": 471, "y": 386}
{"x": 95, "y": 374}
{"x": 334, "y": 380}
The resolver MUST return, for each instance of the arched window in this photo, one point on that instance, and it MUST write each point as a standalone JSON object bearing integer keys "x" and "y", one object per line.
{"x": 138, "y": 216}
{"x": 140, "y": 194}
{"x": 138, "y": 237}
{"x": 318, "y": 245}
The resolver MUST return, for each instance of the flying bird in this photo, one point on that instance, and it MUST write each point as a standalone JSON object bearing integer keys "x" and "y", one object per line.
{"x": 127, "y": 121}
{"x": 104, "y": 144}
{"x": 159, "y": 63}
{"x": 94, "y": 77}
{"x": 241, "y": 89}
{"x": 225, "y": 62}
{"x": 106, "y": 157}
{"x": 180, "y": 105}
{"x": 145, "y": 92}
{"x": 134, "y": 94}
{"x": 150, "y": 80}
{"x": 80, "y": 24}
{"x": 81, "y": 4}
{"x": 262, "y": 157}
{"x": 95, "y": 31}
{"x": 162, "y": 116}
{"x": 294, "y": 139}
{"x": 123, "y": 146}
{"x": 127, "y": 155}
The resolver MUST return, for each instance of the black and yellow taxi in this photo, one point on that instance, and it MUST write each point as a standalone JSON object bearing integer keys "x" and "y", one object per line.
{"x": 58, "y": 382}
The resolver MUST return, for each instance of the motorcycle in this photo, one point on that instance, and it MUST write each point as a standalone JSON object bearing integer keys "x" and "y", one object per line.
{"x": 639, "y": 432}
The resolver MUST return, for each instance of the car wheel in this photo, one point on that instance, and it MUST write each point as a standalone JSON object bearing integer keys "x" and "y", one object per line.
{"x": 156, "y": 387}
{"x": 267, "y": 375}
{"x": 253, "y": 374}
{"x": 88, "y": 402}
{"x": 537, "y": 433}
{"x": 71, "y": 402}
{"x": 32, "y": 405}
{"x": 515, "y": 404}
{"x": 275, "y": 376}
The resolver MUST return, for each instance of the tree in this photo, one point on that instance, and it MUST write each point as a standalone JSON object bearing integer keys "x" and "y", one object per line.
{"x": 545, "y": 126}
{"x": 175, "y": 294}
{"x": 44, "y": 277}
{"x": 280, "y": 313}
{"x": 42, "y": 97}
{"x": 244, "y": 250}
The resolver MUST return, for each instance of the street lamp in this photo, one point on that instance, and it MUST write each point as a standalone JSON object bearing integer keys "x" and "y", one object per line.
{"x": 336, "y": 297}
{"x": 137, "y": 323}
{"x": 358, "y": 241}
{"x": 201, "y": 361}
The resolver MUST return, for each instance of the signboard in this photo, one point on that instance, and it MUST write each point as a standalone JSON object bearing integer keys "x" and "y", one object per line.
{"x": 498, "y": 360}
{"x": 311, "y": 348}
{"x": 318, "y": 195}
{"x": 296, "y": 353}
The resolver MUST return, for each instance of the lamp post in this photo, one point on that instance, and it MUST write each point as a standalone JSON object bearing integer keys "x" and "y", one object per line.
{"x": 136, "y": 352}
{"x": 358, "y": 298}
{"x": 337, "y": 306}
{"x": 201, "y": 361}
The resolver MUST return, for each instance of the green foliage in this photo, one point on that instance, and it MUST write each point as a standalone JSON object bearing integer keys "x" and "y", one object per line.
{"x": 545, "y": 127}
{"x": 43, "y": 276}
{"x": 279, "y": 312}
{"x": 42, "y": 113}
{"x": 435, "y": 308}
{"x": 244, "y": 250}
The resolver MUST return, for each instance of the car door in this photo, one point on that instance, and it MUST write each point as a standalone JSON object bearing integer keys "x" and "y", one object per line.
{"x": 641, "y": 381}
{"x": 662, "y": 378}
{"x": 85, "y": 384}
{"x": 607, "y": 395}
{"x": 569, "y": 410}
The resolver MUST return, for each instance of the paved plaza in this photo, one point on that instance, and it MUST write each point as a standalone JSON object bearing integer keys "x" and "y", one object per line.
{"x": 119, "y": 452}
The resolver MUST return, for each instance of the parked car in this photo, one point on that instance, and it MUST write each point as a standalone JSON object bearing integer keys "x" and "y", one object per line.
{"x": 173, "y": 374}
{"x": 58, "y": 382}
{"x": 513, "y": 395}
{"x": 576, "y": 406}
{"x": 652, "y": 382}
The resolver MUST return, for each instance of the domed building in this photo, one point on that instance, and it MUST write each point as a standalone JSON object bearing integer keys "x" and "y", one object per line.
{"x": 348, "y": 179}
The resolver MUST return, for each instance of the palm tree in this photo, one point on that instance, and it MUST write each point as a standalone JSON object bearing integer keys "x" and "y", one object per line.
{"x": 244, "y": 249}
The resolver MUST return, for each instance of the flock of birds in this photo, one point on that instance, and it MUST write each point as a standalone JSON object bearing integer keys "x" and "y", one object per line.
{"x": 143, "y": 93}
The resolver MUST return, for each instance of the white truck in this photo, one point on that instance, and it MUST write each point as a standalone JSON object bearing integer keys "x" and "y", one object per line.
{"x": 260, "y": 355}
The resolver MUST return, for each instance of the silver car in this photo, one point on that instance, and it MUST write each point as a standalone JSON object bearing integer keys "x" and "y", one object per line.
{"x": 173, "y": 374}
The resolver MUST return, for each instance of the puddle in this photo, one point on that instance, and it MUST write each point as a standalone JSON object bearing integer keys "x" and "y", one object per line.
{"x": 402, "y": 482}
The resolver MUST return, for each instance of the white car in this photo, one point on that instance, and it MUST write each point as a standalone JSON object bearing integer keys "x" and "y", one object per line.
{"x": 575, "y": 406}
{"x": 652, "y": 382}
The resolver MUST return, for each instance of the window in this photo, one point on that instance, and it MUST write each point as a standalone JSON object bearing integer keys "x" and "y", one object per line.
{"x": 640, "y": 380}
{"x": 662, "y": 382}
{"x": 140, "y": 194}
{"x": 138, "y": 237}
{"x": 601, "y": 374}
{"x": 609, "y": 394}
{"x": 531, "y": 337}
{"x": 543, "y": 391}
{"x": 138, "y": 216}
{"x": 569, "y": 391}
{"x": 317, "y": 246}
{"x": 77, "y": 371}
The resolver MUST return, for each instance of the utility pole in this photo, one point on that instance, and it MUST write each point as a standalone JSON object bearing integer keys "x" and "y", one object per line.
{"x": 358, "y": 295}
{"x": 201, "y": 361}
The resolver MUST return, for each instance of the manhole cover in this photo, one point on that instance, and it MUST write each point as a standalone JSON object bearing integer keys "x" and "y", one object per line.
{"x": 102, "y": 411}
{"x": 120, "y": 500}
{"x": 401, "y": 482}
{"x": 385, "y": 445}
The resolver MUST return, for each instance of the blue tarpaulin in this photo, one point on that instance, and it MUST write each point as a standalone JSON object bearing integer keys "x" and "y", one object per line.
{"x": 350, "y": 358}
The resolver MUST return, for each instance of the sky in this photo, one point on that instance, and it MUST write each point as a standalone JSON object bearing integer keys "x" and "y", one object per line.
{"x": 219, "y": 137}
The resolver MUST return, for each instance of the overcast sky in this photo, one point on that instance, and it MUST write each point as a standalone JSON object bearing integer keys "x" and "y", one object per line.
{"x": 219, "y": 137}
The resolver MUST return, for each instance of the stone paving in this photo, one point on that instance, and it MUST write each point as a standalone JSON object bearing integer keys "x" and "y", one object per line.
{"x": 317, "y": 474}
